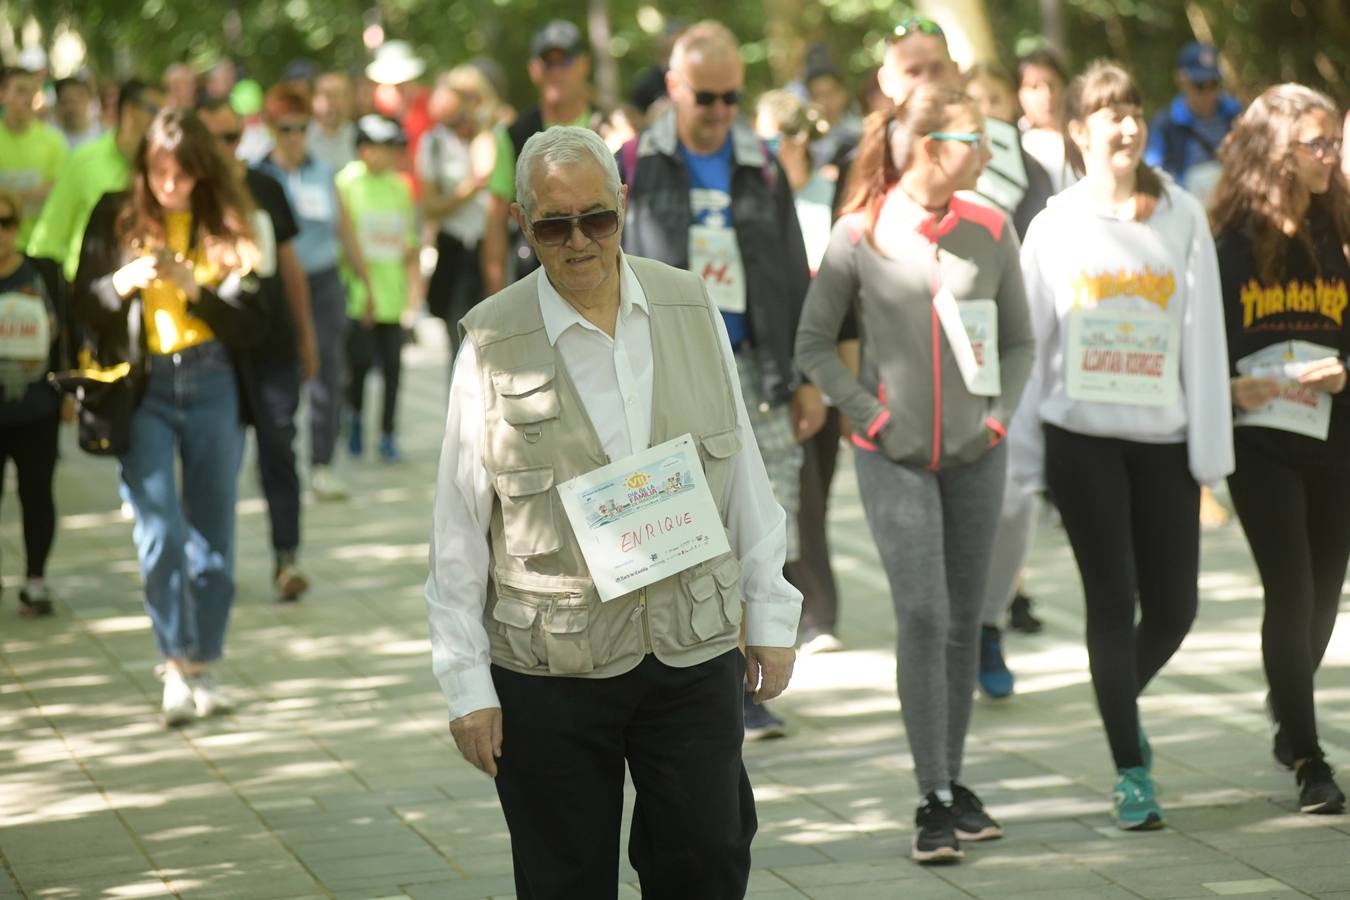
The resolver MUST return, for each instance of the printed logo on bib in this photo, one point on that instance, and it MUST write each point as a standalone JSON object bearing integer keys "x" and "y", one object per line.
{"x": 1324, "y": 299}
{"x": 1128, "y": 356}
{"x": 384, "y": 236}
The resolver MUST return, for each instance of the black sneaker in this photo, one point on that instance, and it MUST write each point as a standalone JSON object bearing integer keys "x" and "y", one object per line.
{"x": 1317, "y": 790}
{"x": 761, "y": 724}
{"x": 935, "y": 841}
{"x": 972, "y": 822}
{"x": 1020, "y": 617}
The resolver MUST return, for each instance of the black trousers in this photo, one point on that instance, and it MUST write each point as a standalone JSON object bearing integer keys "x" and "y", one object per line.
{"x": 561, "y": 776}
{"x": 33, "y": 447}
{"x": 382, "y": 342}
{"x": 810, "y": 573}
{"x": 1297, "y": 521}
{"x": 1132, "y": 514}
{"x": 278, "y": 398}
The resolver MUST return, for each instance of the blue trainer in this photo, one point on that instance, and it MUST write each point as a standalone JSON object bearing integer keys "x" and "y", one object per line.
{"x": 356, "y": 443}
{"x": 995, "y": 679}
{"x": 389, "y": 450}
{"x": 1135, "y": 807}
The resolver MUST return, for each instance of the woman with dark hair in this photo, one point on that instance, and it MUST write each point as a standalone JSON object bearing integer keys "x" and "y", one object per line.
{"x": 1041, "y": 79}
{"x": 166, "y": 284}
{"x": 1281, "y": 220}
{"x": 946, "y": 349}
{"x": 1131, "y": 388}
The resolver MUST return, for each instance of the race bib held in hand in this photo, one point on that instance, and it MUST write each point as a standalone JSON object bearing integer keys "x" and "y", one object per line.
{"x": 1297, "y": 408}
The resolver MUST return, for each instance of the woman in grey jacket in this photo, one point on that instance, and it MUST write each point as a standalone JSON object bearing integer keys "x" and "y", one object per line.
{"x": 946, "y": 350}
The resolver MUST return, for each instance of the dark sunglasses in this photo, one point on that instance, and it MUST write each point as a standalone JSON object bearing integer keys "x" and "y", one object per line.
{"x": 1323, "y": 148}
{"x": 231, "y": 137}
{"x": 594, "y": 225}
{"x": 9, "y": 222}
{"x": 708, "y": 98}
{"x": 1205, "y": 85}
{"x": 292, "y": 127}
{"x": 915, "y": 25}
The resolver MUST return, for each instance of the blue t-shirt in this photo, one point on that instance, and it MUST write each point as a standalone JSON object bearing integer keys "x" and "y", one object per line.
{"x": 710, "y": 200}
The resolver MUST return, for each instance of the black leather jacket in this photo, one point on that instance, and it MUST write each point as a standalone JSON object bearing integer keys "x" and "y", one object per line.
{"x": 769, "y": 237}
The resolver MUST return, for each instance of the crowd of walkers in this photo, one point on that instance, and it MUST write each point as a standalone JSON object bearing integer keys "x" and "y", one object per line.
{"x": 992, "y": 286}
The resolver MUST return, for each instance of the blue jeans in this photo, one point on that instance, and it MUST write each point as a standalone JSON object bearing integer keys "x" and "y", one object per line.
{"x": 186, "y": 545}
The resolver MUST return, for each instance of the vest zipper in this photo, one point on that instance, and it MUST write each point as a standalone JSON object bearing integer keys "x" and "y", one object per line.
{"x": 646, "y": 621}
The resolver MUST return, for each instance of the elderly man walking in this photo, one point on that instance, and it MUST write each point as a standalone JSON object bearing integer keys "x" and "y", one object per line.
{"x": 554, "y": 682}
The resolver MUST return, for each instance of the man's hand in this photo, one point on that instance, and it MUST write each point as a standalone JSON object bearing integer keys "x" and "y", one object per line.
{"x": 769, "y": 669}
{"x": 479, "y": 738}
{"x": 808, "y": 412}
{"x": 1250, "y": 393}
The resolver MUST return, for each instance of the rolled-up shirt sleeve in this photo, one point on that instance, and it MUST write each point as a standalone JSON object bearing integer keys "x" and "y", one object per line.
{"x": 456, "y": 589}
{"x": 757, "y": 531}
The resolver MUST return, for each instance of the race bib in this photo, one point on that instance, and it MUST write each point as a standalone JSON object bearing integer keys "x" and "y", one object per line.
{"x": 314, "y": 202}
{"x": 971, "y": 327}
{"x": 715, "y": 257}
{"x": 1123, "y": 356}
{"x": 25, "y": 341}
{"x": 383, "y": 235}
{"x": 1299, "y": 409}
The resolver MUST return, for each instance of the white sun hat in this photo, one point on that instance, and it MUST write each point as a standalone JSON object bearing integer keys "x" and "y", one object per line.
{"x": 395, "y": 63}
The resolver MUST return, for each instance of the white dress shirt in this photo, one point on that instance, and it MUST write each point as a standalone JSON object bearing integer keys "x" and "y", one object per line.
{"x": 614, "y": 379}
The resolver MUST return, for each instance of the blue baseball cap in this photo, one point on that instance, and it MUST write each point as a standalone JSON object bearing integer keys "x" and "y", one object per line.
{"x": 1199, "y": 63}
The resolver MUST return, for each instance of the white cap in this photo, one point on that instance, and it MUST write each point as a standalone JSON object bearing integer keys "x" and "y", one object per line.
{"x": 395, "y": 63}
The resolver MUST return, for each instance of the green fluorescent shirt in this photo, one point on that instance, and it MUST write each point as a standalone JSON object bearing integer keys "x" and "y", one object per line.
{"x": 95, "y": 169}
{"x": 502, "y": 181}
{"x": 385, "y": 221}
{"x": 30, "y": 160}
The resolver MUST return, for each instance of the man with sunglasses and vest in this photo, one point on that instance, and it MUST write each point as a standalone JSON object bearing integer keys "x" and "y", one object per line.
{"x": 559, "y": 67}
{"x": 553, "y": 689}
{"x": 706, "y": 196}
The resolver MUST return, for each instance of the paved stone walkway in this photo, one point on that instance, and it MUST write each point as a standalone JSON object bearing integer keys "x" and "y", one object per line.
{"x": 337, "y": 777}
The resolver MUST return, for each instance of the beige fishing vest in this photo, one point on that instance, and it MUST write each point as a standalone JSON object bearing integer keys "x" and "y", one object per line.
{"x": 543, "y": 615}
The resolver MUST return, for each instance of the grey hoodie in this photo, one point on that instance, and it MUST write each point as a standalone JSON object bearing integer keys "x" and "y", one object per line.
{"x": 909, "y": 401}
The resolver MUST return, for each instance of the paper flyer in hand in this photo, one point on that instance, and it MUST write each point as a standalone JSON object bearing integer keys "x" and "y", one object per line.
{"x": 644, "y": 518}
{"x": 1299, "y": 409}
{"x": 1123, "y": 356}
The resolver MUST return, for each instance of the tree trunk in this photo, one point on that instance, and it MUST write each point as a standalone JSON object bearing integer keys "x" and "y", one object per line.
{"x": 1052, "y": 25}
{"x": 606, "y": 70}
{"x": 970, "y": 37}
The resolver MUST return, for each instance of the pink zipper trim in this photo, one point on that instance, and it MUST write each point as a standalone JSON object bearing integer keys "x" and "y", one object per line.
{"x": 937, "y": 365}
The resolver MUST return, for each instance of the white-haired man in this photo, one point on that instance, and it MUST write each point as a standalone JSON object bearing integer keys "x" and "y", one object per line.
{"x": 581, "y": 368}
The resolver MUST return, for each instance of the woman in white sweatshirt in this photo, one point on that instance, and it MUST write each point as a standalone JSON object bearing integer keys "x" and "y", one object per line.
{"x": 1131, "y": 388}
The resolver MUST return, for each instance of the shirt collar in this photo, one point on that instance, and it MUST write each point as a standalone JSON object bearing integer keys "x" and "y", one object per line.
{"x": 559, "y": 315}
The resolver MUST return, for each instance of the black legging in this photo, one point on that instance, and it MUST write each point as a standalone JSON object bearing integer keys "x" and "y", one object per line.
{"x": 1132, "y": 514}
{"x": 33, "y": 447}
{"x": 1297, "y": 521}
{"x": 384, "y": 340}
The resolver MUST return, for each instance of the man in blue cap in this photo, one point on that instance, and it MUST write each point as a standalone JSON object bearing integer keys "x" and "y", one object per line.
{"x": 1184, "y": 138}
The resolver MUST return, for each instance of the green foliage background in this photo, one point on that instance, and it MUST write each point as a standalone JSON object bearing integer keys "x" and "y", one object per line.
{"x": 1264, "y": 40}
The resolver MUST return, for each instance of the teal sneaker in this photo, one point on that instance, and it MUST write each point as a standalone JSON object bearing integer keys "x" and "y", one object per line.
{"x": 1135, "y": 807}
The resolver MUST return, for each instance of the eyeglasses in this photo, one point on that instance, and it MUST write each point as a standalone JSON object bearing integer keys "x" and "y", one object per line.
{"x": 1322, "y": 148}
{"x": 231, "y": 137}
{"x": 8, "y": 223}
{"x": 708, "y": 98}
{"x": 973, "y": 138}
{"x": 291, "y": 127}
{"x": 594, "y": 225}
{"x": 915, "y": 25}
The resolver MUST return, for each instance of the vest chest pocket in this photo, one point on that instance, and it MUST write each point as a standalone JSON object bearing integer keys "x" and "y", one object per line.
{"x": 527, "y": 398}
{"x": 529, "y": 517}
{"x": 716, "y": 452}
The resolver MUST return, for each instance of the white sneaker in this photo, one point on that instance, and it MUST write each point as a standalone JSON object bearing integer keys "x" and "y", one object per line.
{"x": 325, "y": 486}
{"x": 822, "y": 643}
{"x": 207, "y": 696}
{"x": 177, "y": 705}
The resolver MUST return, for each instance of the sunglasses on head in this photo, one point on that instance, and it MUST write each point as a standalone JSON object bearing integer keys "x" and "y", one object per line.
{"x": 915, "y": 25}
{"x": 291, "y": 127}
{"x": 9, "y": 222}
{"x": 594, "y": 225}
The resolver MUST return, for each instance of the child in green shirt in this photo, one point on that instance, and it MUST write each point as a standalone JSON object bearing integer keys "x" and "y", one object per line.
{"x": 383, "y": 215}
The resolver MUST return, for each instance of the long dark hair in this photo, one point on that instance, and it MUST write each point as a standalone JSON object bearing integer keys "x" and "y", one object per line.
{"x": 1258, "y": 176}
{"x": 887, "y": 145}
{"x": 222, "y": 211}
{"x": 1102, "y": 84}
